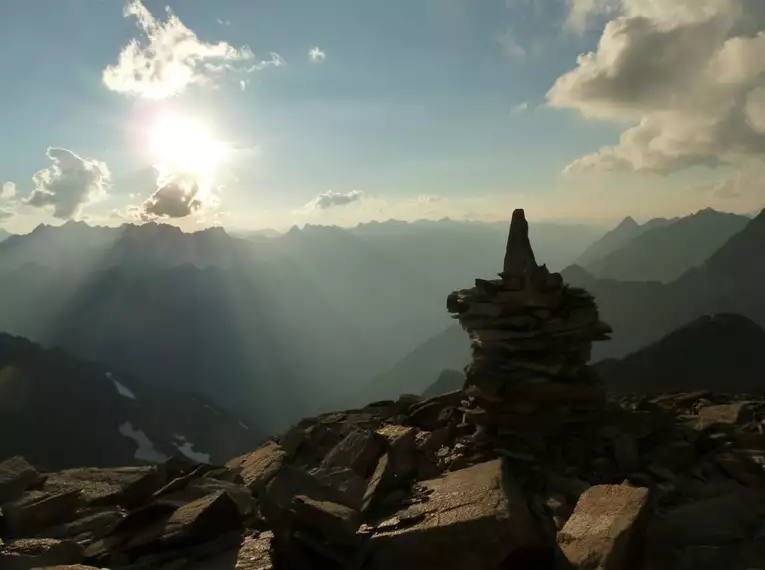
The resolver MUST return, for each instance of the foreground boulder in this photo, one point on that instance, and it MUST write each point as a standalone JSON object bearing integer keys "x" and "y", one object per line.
{"x": 16, "y": 476}
{"x": 475, "y": 518}
{"x": 604, "y": 530}
{"x": 124, "y": 486}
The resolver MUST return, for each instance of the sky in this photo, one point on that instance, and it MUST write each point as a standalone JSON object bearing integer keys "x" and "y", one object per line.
{"x": 266, "y": 113}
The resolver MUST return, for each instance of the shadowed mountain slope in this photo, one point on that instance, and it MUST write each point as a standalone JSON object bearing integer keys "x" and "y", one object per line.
{"x": 721, "y": 352}
{"x": 63, "y": 412}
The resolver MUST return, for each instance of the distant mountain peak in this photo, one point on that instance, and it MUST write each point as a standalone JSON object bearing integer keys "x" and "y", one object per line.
{"x": 708, "y": 212}
{"x": 218, "y": 231}
{"x": 627, "y": 223}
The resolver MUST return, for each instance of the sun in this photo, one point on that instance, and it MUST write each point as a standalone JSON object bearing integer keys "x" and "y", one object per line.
{"x": 186, "y": 145}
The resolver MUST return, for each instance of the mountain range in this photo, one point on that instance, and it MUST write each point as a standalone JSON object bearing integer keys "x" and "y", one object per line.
{"x": 271, "y": 328}
{"x": 641, "y": 312}
{"x": 660, "y": 250}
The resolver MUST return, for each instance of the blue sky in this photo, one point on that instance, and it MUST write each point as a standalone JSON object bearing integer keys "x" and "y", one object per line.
{"x": 407, "y": 109}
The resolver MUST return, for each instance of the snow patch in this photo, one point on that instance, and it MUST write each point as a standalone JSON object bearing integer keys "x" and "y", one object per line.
{"x": 243, "y": 425}
{"x": 213, "y": 410}
{"x": 145, "y": 451}
{"x": 122, "y": 390}
{"x": 187, "y": 449}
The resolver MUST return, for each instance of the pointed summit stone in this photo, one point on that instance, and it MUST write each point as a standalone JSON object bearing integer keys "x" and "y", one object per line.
{"x": 519, "y": 257}
{"x": 531, "y": 337}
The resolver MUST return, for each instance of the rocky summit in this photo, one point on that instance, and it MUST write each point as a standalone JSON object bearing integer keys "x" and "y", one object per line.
{"x": 531, "y": 337}
{"x": 530, "y": 466}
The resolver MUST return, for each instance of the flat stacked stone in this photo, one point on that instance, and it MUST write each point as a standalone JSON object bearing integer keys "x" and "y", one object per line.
{"x": 531, "y": 337}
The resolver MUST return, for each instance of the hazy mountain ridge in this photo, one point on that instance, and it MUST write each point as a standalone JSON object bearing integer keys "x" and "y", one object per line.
{"x": 275, "y": 329}
{"x": 64, "y": 412}
{"x": 613, "y": 240}
{"x": 664, "y": 251}
{"x": 640, "y": 312}
{"x": 730, "y": 281}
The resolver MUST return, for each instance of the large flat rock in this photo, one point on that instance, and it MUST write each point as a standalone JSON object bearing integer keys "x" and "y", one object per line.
{"x": 26, "y": 554}
{"x": 123, "y": 486}
{"x": 603, "y": 530}
{"x": 473, "y": 519}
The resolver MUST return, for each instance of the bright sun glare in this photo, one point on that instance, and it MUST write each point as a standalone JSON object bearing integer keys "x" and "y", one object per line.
{"x": 186, "y": 145}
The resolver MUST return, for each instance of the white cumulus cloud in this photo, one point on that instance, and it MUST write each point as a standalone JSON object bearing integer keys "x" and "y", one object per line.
{"x": 8, "y": 191}
{"x": 686, "y": 77}
{"x": 316, "y": 55}
{"x": 69, "y": 184}
{"x": 169, "y": 57}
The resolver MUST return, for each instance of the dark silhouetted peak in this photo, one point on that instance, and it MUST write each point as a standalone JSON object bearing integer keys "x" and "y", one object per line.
{"x": 741, "y": 257}
{"x": 721, "y": 352}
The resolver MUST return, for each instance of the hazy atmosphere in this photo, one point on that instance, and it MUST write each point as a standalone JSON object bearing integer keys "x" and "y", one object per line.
{"x": 255, "y": 114}
{"x": 401, "y": 285}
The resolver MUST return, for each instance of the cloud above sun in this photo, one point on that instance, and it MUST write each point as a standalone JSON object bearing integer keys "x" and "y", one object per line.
{"x": 169, "y": 57}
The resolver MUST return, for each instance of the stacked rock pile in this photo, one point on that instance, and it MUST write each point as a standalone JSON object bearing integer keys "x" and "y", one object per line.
{"x": 531, "y": 338}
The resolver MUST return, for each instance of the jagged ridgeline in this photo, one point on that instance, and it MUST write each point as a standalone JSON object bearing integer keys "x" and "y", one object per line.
{"x": 531, "y": 337}
{"x": 529, "y": 467}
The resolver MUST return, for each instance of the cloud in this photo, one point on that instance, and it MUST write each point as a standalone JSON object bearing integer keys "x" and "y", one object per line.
{"x": 582, "y": 12}
{"x": 274, "y": 60}
{"x": 331, "y": 199}
{"x": 510, "y": 45}
{"x": 176, "y": 197}
{"x": 687, "y": 78}
{"x": 69, "y": 184}
{"x": 174, "y": 200}
{"x": 169, "y": 58}
{"x": 520, "y": 108}
{"x": 741, "y": 190}
{"x": 6, "y": 214}
{"x": 8, "y": 191}
{"x": 316, "y": 55}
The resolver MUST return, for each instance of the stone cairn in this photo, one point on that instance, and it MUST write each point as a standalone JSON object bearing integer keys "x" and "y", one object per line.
{"x": 531, "y": 337}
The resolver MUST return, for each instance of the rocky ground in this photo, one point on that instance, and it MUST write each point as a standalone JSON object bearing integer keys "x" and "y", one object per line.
{"x": 670, "y": 482}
